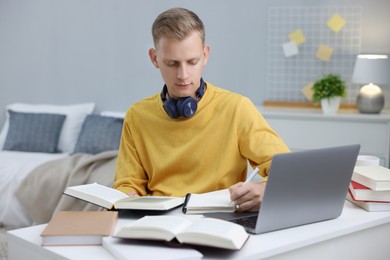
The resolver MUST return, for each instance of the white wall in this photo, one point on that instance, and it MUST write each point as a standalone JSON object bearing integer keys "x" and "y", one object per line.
{"x": 71, "y": 51}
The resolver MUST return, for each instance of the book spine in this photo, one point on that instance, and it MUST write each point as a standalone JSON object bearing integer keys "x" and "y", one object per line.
{"x": 184, "y": 209}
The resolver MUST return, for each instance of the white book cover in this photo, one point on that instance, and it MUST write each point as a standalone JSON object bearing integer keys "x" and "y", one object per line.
{"x": 375, "y": 177}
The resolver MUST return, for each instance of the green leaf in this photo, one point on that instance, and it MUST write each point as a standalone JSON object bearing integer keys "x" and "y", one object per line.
{"x": 330, "y": 85}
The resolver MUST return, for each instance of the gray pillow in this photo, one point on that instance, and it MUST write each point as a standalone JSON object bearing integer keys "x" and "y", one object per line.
{"x": 99, "y": 134}
{"x": 33, "y": 132}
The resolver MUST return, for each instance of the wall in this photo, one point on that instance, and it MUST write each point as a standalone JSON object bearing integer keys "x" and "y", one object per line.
{"x": 71, "y": 51}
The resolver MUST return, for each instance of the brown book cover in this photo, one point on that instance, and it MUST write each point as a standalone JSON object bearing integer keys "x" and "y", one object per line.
{"x": 79, "y": 227}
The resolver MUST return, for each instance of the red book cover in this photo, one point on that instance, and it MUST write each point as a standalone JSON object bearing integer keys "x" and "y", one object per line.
{"x": 364, "y": 193}
{"x": 356, "y": 185}
{"x": 369, "y": 205}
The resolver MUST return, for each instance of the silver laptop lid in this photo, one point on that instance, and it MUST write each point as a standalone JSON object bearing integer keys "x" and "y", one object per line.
{"x": 306, "y": 187}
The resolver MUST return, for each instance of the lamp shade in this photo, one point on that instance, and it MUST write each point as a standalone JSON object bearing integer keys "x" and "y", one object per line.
{"x": 371, "y": 69}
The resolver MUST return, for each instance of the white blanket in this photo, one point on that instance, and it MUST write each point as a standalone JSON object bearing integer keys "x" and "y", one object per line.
{"x": 41, "y": 192}
{"x": 14, "y": 167}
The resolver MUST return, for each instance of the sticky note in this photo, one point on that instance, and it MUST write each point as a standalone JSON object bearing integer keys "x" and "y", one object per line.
{"x": 307, "y": 91}
{"x": 336, "y": 23}
{"x": 324, "y": 52}
{"x": 297, "y": 37}
{"x": 290, "y": 49}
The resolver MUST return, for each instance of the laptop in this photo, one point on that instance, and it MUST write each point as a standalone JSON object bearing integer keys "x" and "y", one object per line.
{"x": 303, "y": 187}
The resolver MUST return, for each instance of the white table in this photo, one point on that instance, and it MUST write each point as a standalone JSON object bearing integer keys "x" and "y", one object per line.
{"x": 356, "y": 234}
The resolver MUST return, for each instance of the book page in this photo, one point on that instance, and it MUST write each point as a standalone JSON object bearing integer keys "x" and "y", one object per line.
{"x": 148, "y": 199}
{"x": 154, "y": 227}
{"x": 214, "y": 232}
{"x": 211, "y": 199}
{"x": 129, "y": 249}
{"x": 96, "y": 190}
{"x": 149, "y": 202}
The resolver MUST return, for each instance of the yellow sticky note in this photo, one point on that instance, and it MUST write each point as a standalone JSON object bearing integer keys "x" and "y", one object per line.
{"x": 297, "y": 37}
{"x": 336, "y": 23}
{"x": 307, "y": 91}
{"x": 324, "y": 52}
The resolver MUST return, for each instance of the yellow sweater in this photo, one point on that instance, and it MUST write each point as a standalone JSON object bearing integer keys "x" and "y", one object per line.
{"x": 209, "y": 151}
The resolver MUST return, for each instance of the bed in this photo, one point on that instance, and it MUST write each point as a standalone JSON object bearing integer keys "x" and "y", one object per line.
{"x": 46, "y": 148}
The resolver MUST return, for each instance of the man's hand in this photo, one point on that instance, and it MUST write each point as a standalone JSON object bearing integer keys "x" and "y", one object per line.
{"x": 133, "y": 193}
{"x": 247, "y": 197}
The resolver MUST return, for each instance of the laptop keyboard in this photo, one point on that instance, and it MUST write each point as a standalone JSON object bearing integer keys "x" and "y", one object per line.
{"x": 246, "y": 221}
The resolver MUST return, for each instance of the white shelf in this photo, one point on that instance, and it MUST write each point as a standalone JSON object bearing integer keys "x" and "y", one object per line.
{"x": 303, "y": 129}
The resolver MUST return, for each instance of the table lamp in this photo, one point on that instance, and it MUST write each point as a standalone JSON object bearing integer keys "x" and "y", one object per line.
{"x": 371, "y": 70}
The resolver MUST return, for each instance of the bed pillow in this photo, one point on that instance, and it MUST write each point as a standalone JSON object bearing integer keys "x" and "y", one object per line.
{"x": 33, "y": 132}
{"x": 75, "y": 115}
{"x": 99, "y": 134}
{"x": 113, "y": 114}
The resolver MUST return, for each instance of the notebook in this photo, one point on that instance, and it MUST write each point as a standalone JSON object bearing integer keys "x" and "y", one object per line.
{"x": 303, "y": 187}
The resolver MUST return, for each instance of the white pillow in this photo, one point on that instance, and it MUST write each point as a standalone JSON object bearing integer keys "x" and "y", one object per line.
{"x": 75, "y": 115}
{"x": 113, "y": 114}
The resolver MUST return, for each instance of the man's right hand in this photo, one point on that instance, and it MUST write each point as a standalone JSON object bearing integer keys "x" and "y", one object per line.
{"x": 133, "y": 193}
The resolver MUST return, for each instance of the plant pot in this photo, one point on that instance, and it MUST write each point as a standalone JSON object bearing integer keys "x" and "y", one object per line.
{"x": 330, "y": 105}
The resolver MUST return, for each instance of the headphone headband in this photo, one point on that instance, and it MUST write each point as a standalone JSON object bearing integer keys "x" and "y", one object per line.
{"x": 199, "y": 92}
{"x": 184, "y": 106}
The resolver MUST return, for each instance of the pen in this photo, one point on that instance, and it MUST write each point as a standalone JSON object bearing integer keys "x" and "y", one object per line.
{"x": 251, "y": 176}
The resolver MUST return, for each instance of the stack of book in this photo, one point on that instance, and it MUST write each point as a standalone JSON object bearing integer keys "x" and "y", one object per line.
{"x": 370, "y": 188}
{"x": 70, "y": 228}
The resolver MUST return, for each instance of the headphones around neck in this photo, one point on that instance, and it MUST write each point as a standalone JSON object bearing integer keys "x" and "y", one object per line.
{"x": 184, "y": 106}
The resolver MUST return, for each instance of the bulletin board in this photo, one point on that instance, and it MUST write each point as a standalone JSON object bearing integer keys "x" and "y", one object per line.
{"x": 286, "y": 76}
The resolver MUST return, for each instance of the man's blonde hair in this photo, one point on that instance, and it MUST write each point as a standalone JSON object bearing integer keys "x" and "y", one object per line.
{"x": 177, "y": 23}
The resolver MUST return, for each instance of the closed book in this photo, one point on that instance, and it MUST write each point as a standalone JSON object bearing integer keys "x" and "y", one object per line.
{"x": 110, "y": 198}
{"x": 375, "y": 177}
{"x": 195, "y": 231}
{"x": 369, "y": 205}
{"x": 79, "y": 228}
{"x": 209, "y": 202}
{"x": 361, "y": 192}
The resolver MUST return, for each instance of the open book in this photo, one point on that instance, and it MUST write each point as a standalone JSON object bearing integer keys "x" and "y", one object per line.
{"x": 209, "y": 202}
{"x": 196, "y": 231}
{"x": 110, "y": 198}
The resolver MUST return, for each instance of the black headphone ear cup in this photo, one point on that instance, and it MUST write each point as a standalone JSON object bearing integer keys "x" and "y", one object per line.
{"x": 186, "y": 107}
{"x": 171, "y": 109}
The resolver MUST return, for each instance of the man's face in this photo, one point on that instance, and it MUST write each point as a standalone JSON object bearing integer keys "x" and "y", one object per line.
{"x": 181, "y": 63}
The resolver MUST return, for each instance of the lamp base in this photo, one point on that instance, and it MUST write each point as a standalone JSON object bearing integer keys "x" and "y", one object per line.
{"x": 370, "y": 104}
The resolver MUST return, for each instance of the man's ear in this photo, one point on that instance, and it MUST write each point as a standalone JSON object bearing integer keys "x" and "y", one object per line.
{"x": 206, "y": 53}
{"x": 153, "y": 57}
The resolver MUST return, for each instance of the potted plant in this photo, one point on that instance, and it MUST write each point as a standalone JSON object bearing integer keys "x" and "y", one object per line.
{"x": 329, "y": 90}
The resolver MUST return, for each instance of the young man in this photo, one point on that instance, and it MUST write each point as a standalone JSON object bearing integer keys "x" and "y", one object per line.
{"x": 193, "y": 136}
